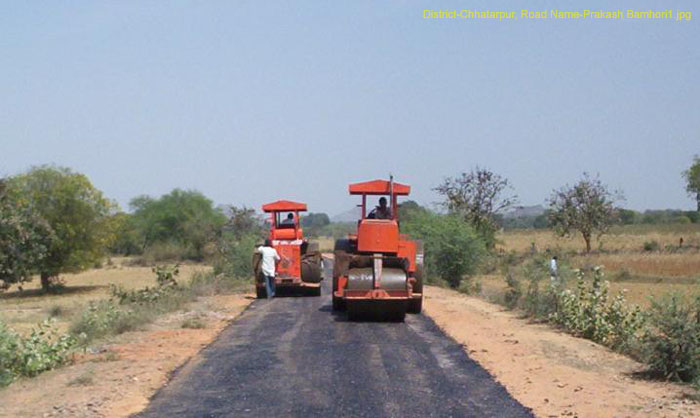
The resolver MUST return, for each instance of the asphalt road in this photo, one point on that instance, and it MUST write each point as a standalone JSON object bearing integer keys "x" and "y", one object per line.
{"x": 291, "y": 356}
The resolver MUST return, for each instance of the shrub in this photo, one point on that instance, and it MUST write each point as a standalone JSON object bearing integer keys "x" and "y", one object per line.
{"x": 652, "y": 245}
{"x": 213, "y": 284}
{"x": 540, "y": 301}
{"x": 452, "y": 248}
{"x": 514, "y": 291}
{"x": 588, "y": 312}
{"x": 194, "y": 322}
{"x": 672, "y": 343}
{"x": 167, "y": 251}
{"x": 127, "y": 310}
{"x": 43, "y": 350}
{"x": 235, "y": 255}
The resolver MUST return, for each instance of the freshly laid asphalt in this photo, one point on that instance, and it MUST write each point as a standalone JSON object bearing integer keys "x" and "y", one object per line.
{"x": 292, "y": 356}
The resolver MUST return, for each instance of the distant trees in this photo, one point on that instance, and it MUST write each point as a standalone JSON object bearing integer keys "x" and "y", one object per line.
{"x": 692, "y": 179}
{"x": 477, "y": 197}
{"x": 313, "y": 223}
{"x": 77, "y": 213}
{"x": 184, "y": 218}
{"x": 586, "y": 207}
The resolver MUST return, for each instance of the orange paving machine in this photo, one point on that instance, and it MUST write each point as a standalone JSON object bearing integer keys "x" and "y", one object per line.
{"x": 378, "y": 271}
{"x": 300, "y": 264}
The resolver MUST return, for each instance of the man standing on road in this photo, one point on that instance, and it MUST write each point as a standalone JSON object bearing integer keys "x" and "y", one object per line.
{"x": 553, "y": 269}
{"x": 269, "y": 261}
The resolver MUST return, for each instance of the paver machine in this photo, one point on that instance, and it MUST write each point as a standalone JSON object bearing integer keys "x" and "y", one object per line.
{"x": 378, "y": 271}
{"x": 300, "y": 264}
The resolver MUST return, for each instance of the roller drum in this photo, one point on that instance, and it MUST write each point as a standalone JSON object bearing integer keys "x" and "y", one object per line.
{"x": 362, "y": 279}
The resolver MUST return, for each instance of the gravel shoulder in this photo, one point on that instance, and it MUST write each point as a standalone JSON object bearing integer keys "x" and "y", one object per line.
{"x": 120, "y": 375}
{"x": 549, "y": 371}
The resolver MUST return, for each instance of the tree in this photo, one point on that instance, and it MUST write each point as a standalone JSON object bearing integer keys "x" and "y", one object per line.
{"x": 24, "y": 241}
{"x": 75, "y": 210}
{"x": 692, "y": 178}
{"x": 587, "y": 207}
{"x": 187, "y": 218}
{"x": 237, "y": 242}
{"x": 452, "y": 248}
{"x": 477, "y": 197}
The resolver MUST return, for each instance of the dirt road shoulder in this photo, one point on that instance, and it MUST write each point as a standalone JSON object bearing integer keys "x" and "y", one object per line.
{"x": 118, "y": 378}
{"x": 551, "y": 372}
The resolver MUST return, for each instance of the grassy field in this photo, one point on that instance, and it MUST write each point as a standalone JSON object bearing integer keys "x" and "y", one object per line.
{"x": 628, "y": 238}
{"x": 22, "y": 310}
{"x": 628, "y": 266}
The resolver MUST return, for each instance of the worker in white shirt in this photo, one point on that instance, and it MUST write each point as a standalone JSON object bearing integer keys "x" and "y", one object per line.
{"x": 269, "y": 262}
{"x": 553, "y": 269}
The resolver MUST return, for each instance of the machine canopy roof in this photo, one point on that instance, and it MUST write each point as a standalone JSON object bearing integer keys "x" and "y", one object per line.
{"x": 284, "y": 206}
{"x": 376, "y": 187}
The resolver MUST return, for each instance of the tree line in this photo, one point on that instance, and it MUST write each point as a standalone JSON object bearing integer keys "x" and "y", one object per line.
{"x": 54, "y": 221}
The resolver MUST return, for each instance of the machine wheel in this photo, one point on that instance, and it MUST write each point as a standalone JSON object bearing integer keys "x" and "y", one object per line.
{"x": 415, "y": 306}
{"x": 311, "y": 248}
{"x": 338, "y": 304}
{"x": 260, "y": 292}
{"x": 343, "y": 244}
{"x": 311, "y": 269}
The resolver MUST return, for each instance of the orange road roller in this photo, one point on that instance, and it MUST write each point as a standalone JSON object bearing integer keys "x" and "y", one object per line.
{"x": 378, "y": 272}
{"x": 300, "y": 264}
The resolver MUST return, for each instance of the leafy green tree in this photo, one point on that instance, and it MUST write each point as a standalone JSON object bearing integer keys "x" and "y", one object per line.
{"x": 184, "y": 217}
{"x": 586, "y": 207}
{"x": 453, "y": 249}
{"x": 477, "y": 197}
{"x": 24, "y": 241}
{"x": 126, "y": 236}
{"x": 75, "y": 210}
{"x": 692, "y": 178}
{"x": 235, "y": 246}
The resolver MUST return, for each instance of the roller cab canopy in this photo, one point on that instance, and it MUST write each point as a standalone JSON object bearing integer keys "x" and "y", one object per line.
{"x": 284, "y": 206}
{"x": 379, "y": 187}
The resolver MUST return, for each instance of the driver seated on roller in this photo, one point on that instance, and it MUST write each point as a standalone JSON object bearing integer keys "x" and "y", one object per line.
{"x": 380, "y": 212}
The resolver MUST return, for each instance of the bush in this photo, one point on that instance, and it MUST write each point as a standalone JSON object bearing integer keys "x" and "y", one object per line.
{"x": 452, "y": 248}
{"x": 514, "y": 291}
{"x": 235, "y": 255}
{"x": 590, "y": 314}
{"x": 194, "y": 322}
{"x": 652, "y": 245}
{"x": 127, "y": 310}
{"x": 43, "y": 350}
{"x": 167, "y": 251}
{"x": 672, "y": 343}
{"x": 207, "y": 284}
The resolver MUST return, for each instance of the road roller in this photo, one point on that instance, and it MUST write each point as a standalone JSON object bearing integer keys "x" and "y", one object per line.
{"x": 299, "y": 269}
{"x": 378, "y": 271}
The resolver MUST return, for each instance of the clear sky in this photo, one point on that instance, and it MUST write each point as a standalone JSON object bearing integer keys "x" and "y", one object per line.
{"x": 251, "y": 101}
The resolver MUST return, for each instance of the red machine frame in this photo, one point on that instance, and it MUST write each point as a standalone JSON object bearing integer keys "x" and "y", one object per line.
{"x": 288, "y": 242}
{"x": 381, "y": 240}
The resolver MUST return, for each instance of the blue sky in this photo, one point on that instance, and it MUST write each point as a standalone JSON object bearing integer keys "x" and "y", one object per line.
{"x": 253, "y": 101}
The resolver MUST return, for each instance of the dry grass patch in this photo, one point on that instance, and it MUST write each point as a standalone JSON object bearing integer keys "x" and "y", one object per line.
{"x": 21, "y": 310}
{"x": 623, "y": 238}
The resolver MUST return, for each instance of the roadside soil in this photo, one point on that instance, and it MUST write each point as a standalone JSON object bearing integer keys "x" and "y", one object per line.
{"x": 118, "y": 377}
{"x": 552, "y": 372}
